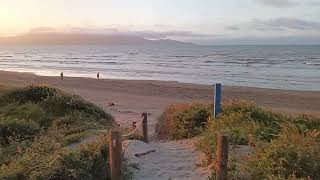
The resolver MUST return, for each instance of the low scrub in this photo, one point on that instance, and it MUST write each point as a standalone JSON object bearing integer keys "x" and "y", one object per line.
{"x": 88, "y": 162}
{"x": 284, "y": 147}
{"x": 294, "y": 154}
{"x": 37, "y": 123}
{"x": 244, "y": 122}
{"x": 182, "y": 121}
{"x": 24, "y": 112}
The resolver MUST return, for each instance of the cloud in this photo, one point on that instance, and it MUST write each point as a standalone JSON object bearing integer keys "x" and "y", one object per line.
{"x": 277, "y": 3}
{"x": 255, "y": 40}
{"x": 233, "y": 27}
{"x": 42, "y": 29}
{"x": 288, "y": 3}
{"x": 278, "y": 24}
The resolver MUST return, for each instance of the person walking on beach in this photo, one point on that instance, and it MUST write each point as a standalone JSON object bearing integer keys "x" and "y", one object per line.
{"x": 61, "y": 75}
{"x": 98, "y": 76}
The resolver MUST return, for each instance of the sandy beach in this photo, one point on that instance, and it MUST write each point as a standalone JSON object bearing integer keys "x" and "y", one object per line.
{"x": 131, "y": 97}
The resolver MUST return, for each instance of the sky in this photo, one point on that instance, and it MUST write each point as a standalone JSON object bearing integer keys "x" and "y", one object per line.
{"x": 198, "y": 21}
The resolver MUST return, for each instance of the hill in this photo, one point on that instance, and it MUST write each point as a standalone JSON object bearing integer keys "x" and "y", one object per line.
{"x": 78, "y": 39}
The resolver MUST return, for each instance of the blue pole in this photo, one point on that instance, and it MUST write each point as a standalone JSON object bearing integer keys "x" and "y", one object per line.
{"x": 217, "y": 99}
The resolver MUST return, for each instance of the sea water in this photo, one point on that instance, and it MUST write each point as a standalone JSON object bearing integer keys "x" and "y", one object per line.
{"x": 279, "y": 67}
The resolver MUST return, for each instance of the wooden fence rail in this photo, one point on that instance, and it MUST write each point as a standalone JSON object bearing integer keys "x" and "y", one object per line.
{"x": 115, "y": 148}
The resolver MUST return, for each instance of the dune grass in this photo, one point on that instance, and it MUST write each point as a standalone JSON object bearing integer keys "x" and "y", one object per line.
{"x": 37, "y": 123}
{"x": 180, "y": 121}
{"x": 284, "y": 147}
{"x": 293, "y": 154}
{"x": 4, "y": 89}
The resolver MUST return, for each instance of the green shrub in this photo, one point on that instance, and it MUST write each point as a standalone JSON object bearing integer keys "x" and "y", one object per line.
{"x": 306, "y": 122}
{"x": 294, "y": 153}
{"x": 182, "y": 121}
{"x": 25, "y": 111}
{"x": 46, "y": 160}
{"x": 244, "y": 122}
{"x": 73, "y": 138}
{"x": 36, "y": 125}
{"x": 11, "y": 129}
{"x": 58, "y": 105}
{"x": 33, "y": 94}
{"x": 286, "y": 147}
{"x": 267, "y": 119}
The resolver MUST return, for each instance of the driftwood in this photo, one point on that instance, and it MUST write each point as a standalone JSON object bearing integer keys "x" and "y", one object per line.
{"x": 144, "y": 153}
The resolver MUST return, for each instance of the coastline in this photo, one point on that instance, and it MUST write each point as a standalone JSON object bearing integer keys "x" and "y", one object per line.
{"x": 132, "y": 97}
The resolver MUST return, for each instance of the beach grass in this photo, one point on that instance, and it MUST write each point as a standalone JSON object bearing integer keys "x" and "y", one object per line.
{"x": 37, "y": 123}
{"x": 180, "y": 121}
{"x": 5, "y": 88}
{"x": 282, "y": 146}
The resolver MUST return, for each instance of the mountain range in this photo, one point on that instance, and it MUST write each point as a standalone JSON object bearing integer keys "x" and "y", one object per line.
{"x": 78, "y": 39}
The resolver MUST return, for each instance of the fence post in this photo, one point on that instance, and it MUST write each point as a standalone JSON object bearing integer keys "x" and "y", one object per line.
{"x": 222, "y": 156}
{"x": 145, "y": 127}
{"x": 134, "y": 124}
{"x": 115, "y": 155}
{"x": 217, "y": 100}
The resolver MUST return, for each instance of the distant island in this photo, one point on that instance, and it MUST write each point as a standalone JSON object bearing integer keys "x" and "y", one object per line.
{"x": 78, "y": 39}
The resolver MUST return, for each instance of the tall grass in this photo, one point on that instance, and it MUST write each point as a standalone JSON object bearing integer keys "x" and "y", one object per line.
{"x": 294, "y": 154}
{"x": 36, "y": 125}
{"x": 283, "y": 147}
{"x": 88, "y": 162}
{"x": 182, "y": 121}
{"x": 24, "y": 112}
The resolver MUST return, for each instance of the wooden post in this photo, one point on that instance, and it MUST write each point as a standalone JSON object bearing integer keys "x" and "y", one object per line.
{"x": 222, "y": 157}
{"x": 134, "y": 124}
{"x": 217, "y": 100}
{"x": 145, "y": 127}
{"x": 115, "y": 155}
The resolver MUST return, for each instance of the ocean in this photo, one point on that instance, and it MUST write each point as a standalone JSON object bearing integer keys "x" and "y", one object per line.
{"x": 278, "y": 67}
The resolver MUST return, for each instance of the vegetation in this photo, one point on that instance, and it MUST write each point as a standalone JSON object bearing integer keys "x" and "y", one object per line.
{"x": 294, "y": 154}
{"x": 4, "y": 89}
{"x": 182, "y": 121}
{"x": 283, "y": 147}
{"x": 244, "y": 122}
{"x": 37, "y": 123}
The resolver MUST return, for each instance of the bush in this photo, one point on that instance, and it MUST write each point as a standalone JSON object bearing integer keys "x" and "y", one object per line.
{"x": 286, "y": 147}
{"x": 244, "y": 122}
{"x": 58, "y": 105}
{"x": 74, "y": 138}
{"x": 33, "y": 94}
{"x": 12, "y": 129}
{"x": 27, "y": 111}
{"x": 36, "y": 125}
{"x": 294, "y": 154}
{"x": 182, "y": 121}
{"x": 24, "y": 112}
{"x": 45, "y": 160}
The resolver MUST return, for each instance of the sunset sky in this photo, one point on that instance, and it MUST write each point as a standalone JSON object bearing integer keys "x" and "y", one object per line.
{"x": 200, "y": 21}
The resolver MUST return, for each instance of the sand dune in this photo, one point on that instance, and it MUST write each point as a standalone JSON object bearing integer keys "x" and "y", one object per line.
{"x": 172, "y": 159}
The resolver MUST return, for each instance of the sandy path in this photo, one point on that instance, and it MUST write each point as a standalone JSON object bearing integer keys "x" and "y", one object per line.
{"x": 171, "y": 160}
